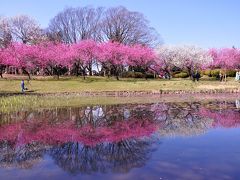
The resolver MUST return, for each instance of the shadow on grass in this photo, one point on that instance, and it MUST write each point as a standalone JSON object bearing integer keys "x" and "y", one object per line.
{"x": 10, "y": 93}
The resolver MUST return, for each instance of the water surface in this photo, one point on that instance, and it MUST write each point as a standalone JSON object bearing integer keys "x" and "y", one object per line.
{"x": 181, "y": 140}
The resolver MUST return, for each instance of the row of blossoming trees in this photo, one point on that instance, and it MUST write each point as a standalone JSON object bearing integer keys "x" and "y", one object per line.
{"x": 79, "y": 58}
{"x": 111, "y": 58}
{"x": 191, "y": 58}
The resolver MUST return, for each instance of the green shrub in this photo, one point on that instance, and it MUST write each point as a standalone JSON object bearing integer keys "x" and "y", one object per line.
{"x": 215, "y": 72}
{"x": 231, "y": 73}
{"x": 139, "y": 75}
{"x": 206, "y": 72}
{"x": 176, "y": 72}
{"x": 132, "y": 74}
{"x": 149, "y": 75}
{"x": 128, "y": 74}
{"x": 181, "y": 75}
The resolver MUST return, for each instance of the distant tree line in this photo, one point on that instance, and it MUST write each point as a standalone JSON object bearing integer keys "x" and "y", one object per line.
{"x": 115, "y": 41}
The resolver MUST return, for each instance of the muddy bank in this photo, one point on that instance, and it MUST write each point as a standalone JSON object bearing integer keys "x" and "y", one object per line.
{"x": 129, "y": 93}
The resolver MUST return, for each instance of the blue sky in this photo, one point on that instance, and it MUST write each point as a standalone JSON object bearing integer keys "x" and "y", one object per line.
{"x": 206, "y": 23}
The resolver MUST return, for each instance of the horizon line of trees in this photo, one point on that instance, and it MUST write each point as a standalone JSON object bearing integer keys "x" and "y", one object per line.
{"x": 112, "y": 59}
{"x": 50, "y": 58}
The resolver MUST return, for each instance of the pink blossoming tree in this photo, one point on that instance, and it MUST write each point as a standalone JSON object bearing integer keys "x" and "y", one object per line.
{"x": 142, "y": 57}
{"x": 84, "y": 56}
{"x": 113, "y": 57}
{"x": 225, "y": 58}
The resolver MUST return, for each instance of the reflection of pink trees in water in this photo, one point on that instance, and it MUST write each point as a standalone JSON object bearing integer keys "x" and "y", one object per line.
{"x": 196, "y": 115}
{"x": 82, "y": 139}
{"x": 93, "y": 125}
{"x": 227, "y": 118}
{"x": 180, "y": 119}
{"x": 103, "y": 138}
{"x": 43, "y": 132}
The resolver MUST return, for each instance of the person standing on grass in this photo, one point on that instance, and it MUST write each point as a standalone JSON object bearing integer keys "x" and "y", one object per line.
{"x": 22, "y": 86}
{"x": 237, "y": 76}
{"x": 220, "y": 76}
{"x": 197, "y": 75}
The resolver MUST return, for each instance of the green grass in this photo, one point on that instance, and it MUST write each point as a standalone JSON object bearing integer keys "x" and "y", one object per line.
{"x": 20, "y": 103}
{"x": 16, "y": 103}
{"x": 40, "y": 88}
{"x": 98, "y": 84}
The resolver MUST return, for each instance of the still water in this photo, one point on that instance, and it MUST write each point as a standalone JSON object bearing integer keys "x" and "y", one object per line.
{"x": 170, "y": 140}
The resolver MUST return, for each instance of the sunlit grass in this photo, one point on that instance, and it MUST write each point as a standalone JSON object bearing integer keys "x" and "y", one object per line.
{"x": 98, "y": 84}
{"x": 23, "y": 102}
{"x": 39, "y": 98}
{"x": 16, "y": 103}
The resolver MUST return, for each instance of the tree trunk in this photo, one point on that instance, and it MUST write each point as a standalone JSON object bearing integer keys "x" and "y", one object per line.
{"x": 1, "y": 72}
{"x": 84, "y": 74}
{"x": 168, "y": 73}
{"x": 58, "y": 77}
{"x": 116, "y": 72}
{"x": 145, "y": 72}
{"x": 58, "y": 72}
{"x": 90, "y": 70}
{"x": 145, "y": 75}
{"x": 2, "y": 69}
{"x": 29, "y": 77}
{"x": 69, "y": 71}
{"x": 49, "y": 71}
{"x": 77, "y": 71}
{"x": 190, "y": 73}
{"x": 28, "y": 74}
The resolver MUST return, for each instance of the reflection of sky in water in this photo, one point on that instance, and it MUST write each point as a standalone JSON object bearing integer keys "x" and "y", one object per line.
{"x": 148, "y": 141}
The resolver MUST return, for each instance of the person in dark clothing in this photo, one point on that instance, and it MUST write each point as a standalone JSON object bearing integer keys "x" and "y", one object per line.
{"x": 23, "y": 86}
{"x": 197, "y": 76}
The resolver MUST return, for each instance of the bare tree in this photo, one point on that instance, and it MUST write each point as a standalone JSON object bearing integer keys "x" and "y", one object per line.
{"x": 53, "y": 36}
{"x": 25, "y": 29}
{"x": 74, "y": 24}
{"x": 5, "y": 39}
{"x": 128, "y": 27}
{"x": 5, "y": 33}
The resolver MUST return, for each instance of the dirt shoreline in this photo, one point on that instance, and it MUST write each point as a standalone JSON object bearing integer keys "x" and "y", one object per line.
{"x": 128, "y": 93}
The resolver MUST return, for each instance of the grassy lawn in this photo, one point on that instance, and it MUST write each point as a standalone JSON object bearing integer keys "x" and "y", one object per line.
{"x": 98, "y": 84}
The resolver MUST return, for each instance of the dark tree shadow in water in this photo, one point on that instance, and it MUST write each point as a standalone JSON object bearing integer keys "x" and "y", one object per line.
{"x": 22, "y": 156}
{"x": 106, "y": 157}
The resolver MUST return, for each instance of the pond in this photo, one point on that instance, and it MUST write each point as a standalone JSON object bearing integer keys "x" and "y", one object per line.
{"x": 160, "y": 140}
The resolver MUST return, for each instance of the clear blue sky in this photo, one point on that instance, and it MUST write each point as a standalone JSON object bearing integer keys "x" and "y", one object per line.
{"x": 206, "y": 23}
